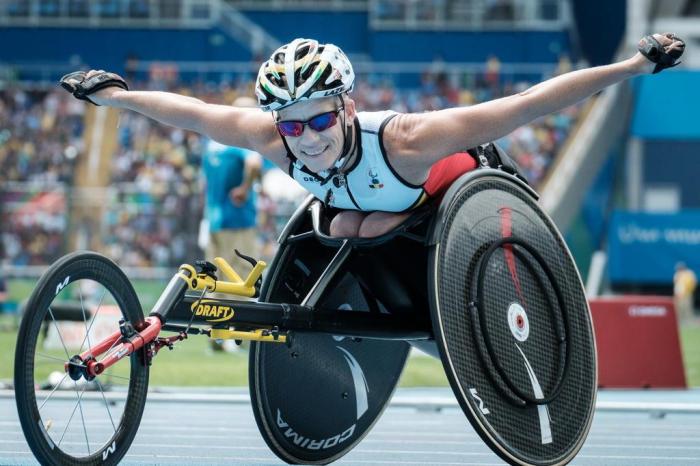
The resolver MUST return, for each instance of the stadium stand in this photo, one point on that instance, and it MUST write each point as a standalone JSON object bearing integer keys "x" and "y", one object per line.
{"x": 40, "y": 139}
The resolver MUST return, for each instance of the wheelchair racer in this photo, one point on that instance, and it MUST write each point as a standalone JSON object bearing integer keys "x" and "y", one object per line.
{"x": 374, "y": 166}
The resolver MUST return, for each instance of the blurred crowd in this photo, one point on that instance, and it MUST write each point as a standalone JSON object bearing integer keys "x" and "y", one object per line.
{"x": 153, "y": 214}
{"x": 152, "y": 221}
{"x": 40, "y": 141}
{"x": 40, "y": 135}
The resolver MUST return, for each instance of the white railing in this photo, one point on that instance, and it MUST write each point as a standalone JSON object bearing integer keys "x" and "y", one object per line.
{"x": 109, "y": 13}
{"x": 469, "y": 14}
{"x": 259, "y": 41}
{"x": 313, "y": 5}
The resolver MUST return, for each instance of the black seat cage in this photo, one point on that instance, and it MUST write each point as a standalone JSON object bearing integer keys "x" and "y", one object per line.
{"x": 419, "y": 232}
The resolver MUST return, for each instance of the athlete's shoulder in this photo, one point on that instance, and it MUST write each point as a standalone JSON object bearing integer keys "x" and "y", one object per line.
{"x": 373, "y": 121}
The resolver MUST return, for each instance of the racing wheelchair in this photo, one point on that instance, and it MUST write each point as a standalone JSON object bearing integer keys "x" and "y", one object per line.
{"x": 482, "y": 280}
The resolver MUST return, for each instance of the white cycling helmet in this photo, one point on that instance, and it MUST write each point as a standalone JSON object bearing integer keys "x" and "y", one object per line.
{"x": 318, "y": 70}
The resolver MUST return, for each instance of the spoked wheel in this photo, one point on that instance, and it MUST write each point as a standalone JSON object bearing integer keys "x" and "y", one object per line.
{"x": 66, "y": 418}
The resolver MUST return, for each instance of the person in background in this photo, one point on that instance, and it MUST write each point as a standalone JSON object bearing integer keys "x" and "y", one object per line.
{"x": 684, "y": 284}
{"x": 230, "y": 205}
{"x": 230, "y": 211}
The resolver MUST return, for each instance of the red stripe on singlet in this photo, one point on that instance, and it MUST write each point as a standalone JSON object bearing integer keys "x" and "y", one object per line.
{"x": 446, "y": 171}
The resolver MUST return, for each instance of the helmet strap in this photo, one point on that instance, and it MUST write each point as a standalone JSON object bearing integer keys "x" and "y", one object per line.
{"x": 349, "y": 142}
{"x": 349, "y": 145}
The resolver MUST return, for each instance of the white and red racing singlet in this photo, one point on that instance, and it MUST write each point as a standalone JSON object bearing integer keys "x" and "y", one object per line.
{"x": 370, "y": 183}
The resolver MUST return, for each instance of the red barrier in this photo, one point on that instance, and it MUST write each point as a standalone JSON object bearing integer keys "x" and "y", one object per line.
{"x": 637, "y": 340}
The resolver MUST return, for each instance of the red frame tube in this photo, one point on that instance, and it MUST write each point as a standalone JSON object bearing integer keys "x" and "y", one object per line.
{"x": 148, "y": 334}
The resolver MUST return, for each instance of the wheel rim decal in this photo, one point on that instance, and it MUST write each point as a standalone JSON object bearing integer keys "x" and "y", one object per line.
{"x": 360, "y": 382}
{"x": 542, "y": 410}
{"x": 506, "y": 232}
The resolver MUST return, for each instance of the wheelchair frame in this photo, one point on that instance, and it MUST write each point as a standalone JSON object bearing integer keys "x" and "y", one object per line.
{"x": 184, "y": 309}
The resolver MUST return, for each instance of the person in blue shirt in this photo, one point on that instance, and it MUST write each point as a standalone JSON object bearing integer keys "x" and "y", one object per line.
{"x": 230, "y": 205}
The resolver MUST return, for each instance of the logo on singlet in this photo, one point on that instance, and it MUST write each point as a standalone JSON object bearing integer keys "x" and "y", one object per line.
{"x": 374, "y": 182}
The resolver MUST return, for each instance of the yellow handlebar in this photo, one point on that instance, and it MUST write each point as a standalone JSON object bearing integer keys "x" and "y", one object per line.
{"x": 227, "y": 270}
{"x": 235, "y": 285}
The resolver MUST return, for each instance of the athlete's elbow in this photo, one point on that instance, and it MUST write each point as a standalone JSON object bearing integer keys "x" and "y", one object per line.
{"x": 201, "y": 120}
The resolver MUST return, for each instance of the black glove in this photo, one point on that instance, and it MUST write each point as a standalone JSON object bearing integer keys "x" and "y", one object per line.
{"x": 77, "y": 84}
{"x": 654, "y": 51}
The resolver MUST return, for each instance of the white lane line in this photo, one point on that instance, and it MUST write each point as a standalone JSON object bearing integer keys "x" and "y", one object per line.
{"x": 589, "y": 445}
{"x": 367, "y": 440}
{"x": 626, "y": 406}
{"x": 198, "y": 457}
{"x": 486, "y": 452}
{"x": 632, "y": 430}
{"x": 154, "y": 425}
{"x": 433, "y": 452}
{"x": 170, "y": 446}
{"x": 640, "y": 447}
{"x": 427, "y": 402}
{"x": 351, "y": 462}
{"x": 346, "y": 460}
{"x": 637, "y": 458}
{"x": 649, "y": 438}
{"x": 375, "y": 435}
{"x": 657, "y": 430}
{"x": 360, "y": 451}
{"x": 21, "y": 439}
{"x": 378, "y": 433}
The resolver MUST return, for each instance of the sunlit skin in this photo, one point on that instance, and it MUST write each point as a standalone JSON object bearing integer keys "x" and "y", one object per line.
{"x": 413, "y": 141}
{"x": 318, "y": 151}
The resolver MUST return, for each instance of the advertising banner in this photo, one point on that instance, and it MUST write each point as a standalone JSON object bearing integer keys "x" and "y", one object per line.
{"x": 644, "y": 247}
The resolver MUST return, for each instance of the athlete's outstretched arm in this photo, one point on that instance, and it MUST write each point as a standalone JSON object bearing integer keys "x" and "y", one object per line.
{"x": 423, "y": 139}
{"x": 233, "y": 126}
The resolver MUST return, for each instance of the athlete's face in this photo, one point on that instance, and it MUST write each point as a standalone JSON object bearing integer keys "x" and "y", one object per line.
{"x": 321, "y": 140}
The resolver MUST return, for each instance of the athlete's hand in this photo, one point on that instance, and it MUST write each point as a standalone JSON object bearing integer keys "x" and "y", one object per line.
{"x": 657, "y": 52}
{"x": 96, "y": 86}
{"x": 106, "y": 95}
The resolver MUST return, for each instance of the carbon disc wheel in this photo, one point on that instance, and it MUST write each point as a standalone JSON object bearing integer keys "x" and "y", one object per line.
{"x": 66, "y": 418}
{"x": 512, "y": 323}
{"x": 315, "y": 400}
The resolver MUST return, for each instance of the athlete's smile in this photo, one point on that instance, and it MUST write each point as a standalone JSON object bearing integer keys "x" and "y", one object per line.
{"x": 311, "y": 153}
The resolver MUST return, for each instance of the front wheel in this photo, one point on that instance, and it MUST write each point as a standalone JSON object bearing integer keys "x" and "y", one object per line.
{"x": 78, "y": 302}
